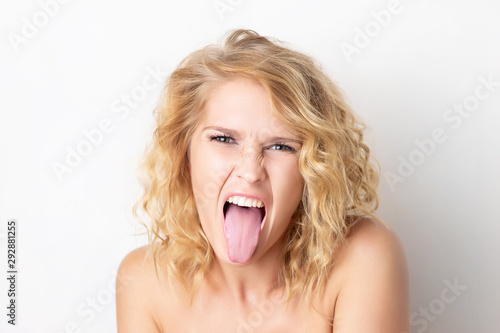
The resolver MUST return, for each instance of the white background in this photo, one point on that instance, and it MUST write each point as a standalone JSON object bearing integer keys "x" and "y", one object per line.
{"x": 69, "y": 73}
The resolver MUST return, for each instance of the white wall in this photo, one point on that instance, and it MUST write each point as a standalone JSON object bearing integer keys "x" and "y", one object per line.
{"x": 67, "y": 74}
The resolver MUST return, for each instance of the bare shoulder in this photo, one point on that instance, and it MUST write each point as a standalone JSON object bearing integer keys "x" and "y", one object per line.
{"x": 136, "y": 268}
{"x": 135, "y": 258}
{"x": 373, "y": 294}
{"x": 136, "y": 282}
{"x": 372, "y": 240}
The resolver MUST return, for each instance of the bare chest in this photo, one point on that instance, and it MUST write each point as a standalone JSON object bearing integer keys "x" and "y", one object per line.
{"x": 265, "y": 317}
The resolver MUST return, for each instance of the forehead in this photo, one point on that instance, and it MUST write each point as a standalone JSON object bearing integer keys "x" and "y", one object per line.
{"x": 238, "y": 94}
{"x": 241, "y": 103}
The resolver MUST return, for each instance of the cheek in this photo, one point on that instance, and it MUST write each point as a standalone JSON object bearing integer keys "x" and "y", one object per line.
{"x": 287, "y": 188}
{"x": 208, "y": 172}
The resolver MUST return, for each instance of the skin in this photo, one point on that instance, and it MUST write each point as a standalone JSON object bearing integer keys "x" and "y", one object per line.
{"x": 239, "y": 147}
{"x": 235, "y": 149}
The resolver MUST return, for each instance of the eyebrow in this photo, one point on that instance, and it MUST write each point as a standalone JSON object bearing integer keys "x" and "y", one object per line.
{"x": 281, "y": 139}
{"x": 235, "y": 133}
{"x": 227, "y": 131}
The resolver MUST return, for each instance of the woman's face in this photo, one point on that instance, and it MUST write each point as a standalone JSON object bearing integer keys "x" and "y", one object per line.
{"x": 244, "y": 170}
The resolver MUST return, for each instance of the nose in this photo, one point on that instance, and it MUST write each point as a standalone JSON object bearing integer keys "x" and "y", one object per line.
{"x": 250, "y": 168}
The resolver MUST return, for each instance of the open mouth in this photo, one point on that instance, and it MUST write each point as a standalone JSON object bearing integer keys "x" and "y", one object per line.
{"x": 243, "y": 221}
{"x": 246, "y": 203}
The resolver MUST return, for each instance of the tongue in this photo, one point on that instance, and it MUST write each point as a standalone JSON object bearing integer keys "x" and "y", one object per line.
{"x": 241, "y": 229}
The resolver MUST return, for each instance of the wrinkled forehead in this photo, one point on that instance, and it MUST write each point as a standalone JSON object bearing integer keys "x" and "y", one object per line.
{"x": 243, "y": 102}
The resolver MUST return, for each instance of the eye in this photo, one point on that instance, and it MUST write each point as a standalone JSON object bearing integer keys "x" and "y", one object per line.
{"x": 222, "y": 138}
{"x": 280, "y": 146}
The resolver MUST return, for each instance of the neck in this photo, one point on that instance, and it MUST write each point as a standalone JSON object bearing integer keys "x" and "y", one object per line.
{"x": 253, "y": 282}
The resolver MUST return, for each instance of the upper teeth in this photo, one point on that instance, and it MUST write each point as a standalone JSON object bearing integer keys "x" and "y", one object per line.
{"x": 245, "y": 202}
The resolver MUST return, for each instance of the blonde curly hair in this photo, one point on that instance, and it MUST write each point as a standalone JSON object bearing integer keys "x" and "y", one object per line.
{"x": 339, "y": 176}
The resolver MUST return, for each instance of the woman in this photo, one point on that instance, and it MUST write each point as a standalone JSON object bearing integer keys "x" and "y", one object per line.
{"x": 260, "y": 194}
